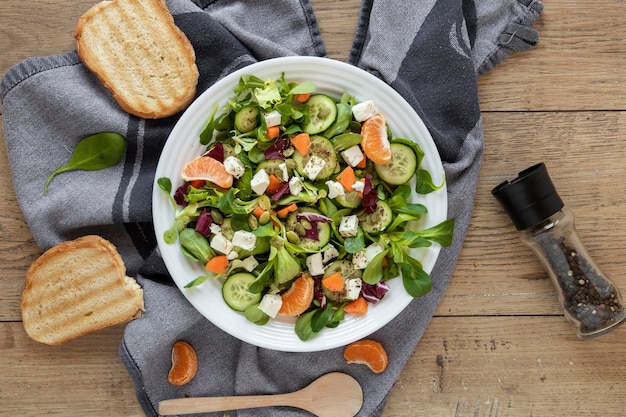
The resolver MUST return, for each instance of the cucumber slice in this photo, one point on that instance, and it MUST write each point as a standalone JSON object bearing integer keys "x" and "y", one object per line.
{"x": 236, "y": 294}
{"x": 322, "y": 148}
{"x": 322, "y": 114}
{"x": 349, "y": 200}
{"x": 378, "y": 221}
{"x": 247, "y": 119}
{"x": 323, "y": 230}
{"x": 402, "y": 166}
{"x": 348, "y": 271}
{"x": 272, "y": 166}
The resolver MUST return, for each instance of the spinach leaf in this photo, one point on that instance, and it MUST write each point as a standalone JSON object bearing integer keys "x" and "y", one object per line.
{"x": 94, "y": 153}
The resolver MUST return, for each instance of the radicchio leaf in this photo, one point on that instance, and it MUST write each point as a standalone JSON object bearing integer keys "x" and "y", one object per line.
{"x": 284, "y": 188}
{"x": 204, "y": 222}
{"x": 275, "y": 151}
{"x": 370, "y": 196}
{"x": 314, "y": 219}
{"x": 374, "y": 293}
{"x": 216, "y": 152}
{"x": 179, "y": 194}
{"x": 318, "y": 294}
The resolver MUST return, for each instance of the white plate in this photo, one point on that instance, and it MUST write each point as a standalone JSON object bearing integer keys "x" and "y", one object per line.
{"x": 334, "y": 78}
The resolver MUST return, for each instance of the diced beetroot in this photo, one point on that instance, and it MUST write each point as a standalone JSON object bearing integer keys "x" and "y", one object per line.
{"x": 216, "y": 152}
{"x": 275, "y": 151}
{"x": 204, "y": 222}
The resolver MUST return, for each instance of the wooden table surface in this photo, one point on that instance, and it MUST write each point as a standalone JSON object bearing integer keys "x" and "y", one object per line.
{"x": 498, "y": 344}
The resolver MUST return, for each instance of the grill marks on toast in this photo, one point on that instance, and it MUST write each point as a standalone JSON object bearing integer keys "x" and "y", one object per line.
{"x": 138, "y": 53}
{"x": 78, "y": 287}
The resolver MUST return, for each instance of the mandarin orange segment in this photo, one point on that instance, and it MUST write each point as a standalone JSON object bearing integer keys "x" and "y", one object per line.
{"x": 298, "y": 298}
{"x": 184, "y": 363}
{"x": 367, "y": 352}
{"x": 208, "y": 169}
{"x": 375, "y": 142}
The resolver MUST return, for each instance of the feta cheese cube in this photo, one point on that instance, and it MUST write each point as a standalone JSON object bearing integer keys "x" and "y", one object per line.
{"x": 313, "y": 167}
{"x": 221, "y": 244}
{"x": 270, "y": 304}
{"x": 353, "y": 155}
{"x": 283, "y": 169}
{"x": 232, "y": 255}
{"x": 250, "y": 263}
{"x": 314, "y": 264}
{"x": 260, "y": 182}
{"x": 359, "y": 260}
{"x": 234, "y": 166}
{"x": 353, "y": 288}
{"x": 244, "y": 239}
{"x": 364, "y": 110}
{"x": 295, "y": 186}
{"x": 272, "y": 118}
{"x": 359, "y": 186}
{"x": 348, "y": 226}
{"x": 215, "y": 228}
{"x": 335, "y": 189}
{"x": 372, "y": 250}
{"x": 329, "y": 254}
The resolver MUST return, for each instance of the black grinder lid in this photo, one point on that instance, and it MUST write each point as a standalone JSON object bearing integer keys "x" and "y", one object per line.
{"x": 530, "y": 198}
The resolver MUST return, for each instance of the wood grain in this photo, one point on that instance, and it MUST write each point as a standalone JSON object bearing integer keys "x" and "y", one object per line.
{"x": 498, "y": 344}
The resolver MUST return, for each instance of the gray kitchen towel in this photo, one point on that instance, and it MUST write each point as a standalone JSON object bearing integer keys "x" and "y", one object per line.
{"x": 430, "y": 51}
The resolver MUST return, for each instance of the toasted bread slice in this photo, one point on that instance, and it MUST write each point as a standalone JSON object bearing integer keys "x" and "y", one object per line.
{"x": 78, "y": 287}
{"x": 140, "y": 55}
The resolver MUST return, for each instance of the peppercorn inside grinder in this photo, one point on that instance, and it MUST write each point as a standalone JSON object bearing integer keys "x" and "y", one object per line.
{"x": 590, "y": 300}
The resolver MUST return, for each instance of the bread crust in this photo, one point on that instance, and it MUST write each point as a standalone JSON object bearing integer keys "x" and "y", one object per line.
{"x": 140, "y": 55}
{"x": 78, "y": 287}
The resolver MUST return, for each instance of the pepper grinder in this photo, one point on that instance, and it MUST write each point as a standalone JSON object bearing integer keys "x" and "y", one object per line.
{"x": 590, "y": 300}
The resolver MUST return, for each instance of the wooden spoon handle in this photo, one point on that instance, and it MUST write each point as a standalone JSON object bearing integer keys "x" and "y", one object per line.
{"x": 208, "y": 404}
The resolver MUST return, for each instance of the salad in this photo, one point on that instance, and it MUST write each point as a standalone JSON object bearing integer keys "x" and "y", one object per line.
{"x": 301, "y": 204}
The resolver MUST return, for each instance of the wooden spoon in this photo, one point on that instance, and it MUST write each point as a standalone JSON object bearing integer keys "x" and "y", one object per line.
{"x": 331, "y": 395}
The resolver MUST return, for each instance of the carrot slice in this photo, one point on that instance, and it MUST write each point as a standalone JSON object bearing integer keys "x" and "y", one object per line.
{"x": 283, "y": 212}
{"x": 347, "y": 178}
{"x": 301, "y": 142}
{"x": 275, "y": 184}
{"x": 334, "y": 282}
{"x": 358, "y": 306}
{"x": 302, "y": 97}
{"x": 258, "y": 211}
{"x": 217, "y": 264}
{"x": 363, "y": 163}
{"x": 273, "y": 132}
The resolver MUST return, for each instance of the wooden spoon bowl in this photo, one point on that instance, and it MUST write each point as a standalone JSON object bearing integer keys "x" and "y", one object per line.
{"x": 319, "y": 398}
